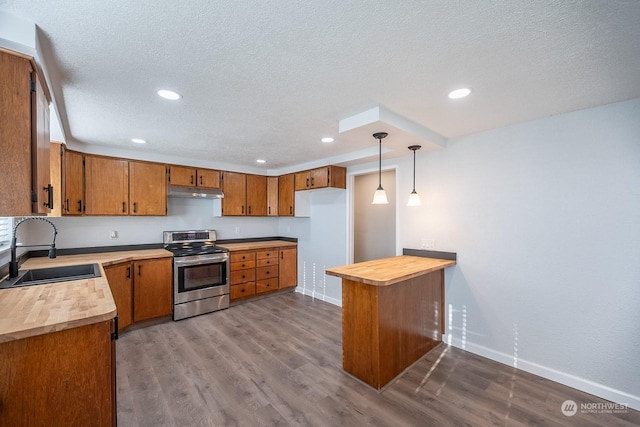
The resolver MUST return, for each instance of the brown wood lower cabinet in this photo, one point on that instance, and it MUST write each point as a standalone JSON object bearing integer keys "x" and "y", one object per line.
{"x": 121, "y": 284}
{"x": 152, "y": 286}
{"x": 141, "y": 289}
{"x": 64, "y": 378}
{"x": 256, "y": 272}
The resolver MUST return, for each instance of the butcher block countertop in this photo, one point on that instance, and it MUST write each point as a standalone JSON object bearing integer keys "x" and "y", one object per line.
{"x": 248, "y": 246}
{"x": 40, "y": 309}
{"x": 387, "y": 271}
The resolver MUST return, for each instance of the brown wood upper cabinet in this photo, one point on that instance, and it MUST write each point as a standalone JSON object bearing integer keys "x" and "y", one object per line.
{"x": 272, "y": 196}
{"x": 24, "y": 122}
{"x": 148, "y": 188}
{"x": 327, "y": 176}
{"x": 185, "y": 176}
{"x": 72, "y": 171}
{"x": 244, "y": 194}
{"x": 106, "y": 185}
{"x": 256, "y": 195}
{"x": 286, "y": 195}
{"x": 234, "y": 186}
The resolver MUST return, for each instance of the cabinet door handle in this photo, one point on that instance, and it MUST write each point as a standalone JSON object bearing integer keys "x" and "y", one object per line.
{"x": 249, "y": 208}
{"x": 242, "y": 290}
{"x": 128, "y": 272}
{"x": 290, "y": 210}
{"x": 123, "y": 207}
{"x": 242, "y": 208}
{"x": 307, "y": 183}
{"x": 66, "y": 205}
{"x": 312, "y": 181}
{"x": 135, "y": 207}
{"x": 139, "y": 269}
{"x": 269, "y": 210}
{"x": 49, "y": 190}
{"x": 200, "y": 179}
{"x": 79, "y": 205}
{"x": 191, "y": 179}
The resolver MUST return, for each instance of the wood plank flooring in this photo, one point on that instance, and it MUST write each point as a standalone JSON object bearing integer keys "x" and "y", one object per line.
{"x": 278, "y": 362}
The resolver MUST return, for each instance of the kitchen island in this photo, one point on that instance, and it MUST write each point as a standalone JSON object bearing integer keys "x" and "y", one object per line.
{"x": 392, "y": 314}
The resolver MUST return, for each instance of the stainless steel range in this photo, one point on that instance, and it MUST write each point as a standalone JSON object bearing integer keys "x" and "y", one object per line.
{"x": 200, "y": 272}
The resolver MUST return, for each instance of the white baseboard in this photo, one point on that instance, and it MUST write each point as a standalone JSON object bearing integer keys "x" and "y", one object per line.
{"x": 600, "y": 390}
{"x": 319, "y": 296}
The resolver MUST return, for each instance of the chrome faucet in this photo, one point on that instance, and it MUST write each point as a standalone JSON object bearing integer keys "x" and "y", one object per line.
{"x": 13, "y": 264}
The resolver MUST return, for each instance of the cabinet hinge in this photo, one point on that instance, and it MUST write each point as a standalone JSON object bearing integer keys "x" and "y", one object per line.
{"x": 168, "y": 174}
{"x": 33, "y": 86}
{"x": 61, "y": 151}
{"x": 34, "y": 197}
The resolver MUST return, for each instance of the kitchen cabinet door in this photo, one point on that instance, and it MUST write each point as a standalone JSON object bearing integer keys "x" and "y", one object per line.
{"x": 286, "y": 195}
{"x": 64, "y": 378}
{"x": 40, "y": 149}
{"x": 234, "y": 186}
{"x": 319, "y": 178}
{"x": 72, "y": 183}
{"x": 148, "y": 188}
{"x": 288, "y": 267}
{"x": 24, "y": 135}
{"x": 183, "y": 176}
{"x": 119, "y": 278}
{"x": 106, "y": 185}
{"x": 302, "y": 180}
{"x": 272, "y": 196}
{"x": 256, "y": 195}
{"x": 152, "y": 288}
{"x": 208, "y": 178}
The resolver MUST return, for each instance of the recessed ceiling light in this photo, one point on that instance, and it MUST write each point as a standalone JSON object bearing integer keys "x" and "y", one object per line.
{"x": 138, "y": 140}
{"x": 459, "y": 93}
{"x": 261, "y": 161}
{"x": 169, "y": 94}
{"x": 327, "y": 139}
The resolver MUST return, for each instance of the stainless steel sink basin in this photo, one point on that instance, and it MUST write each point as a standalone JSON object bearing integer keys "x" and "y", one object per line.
{"x": 52, "y": 274}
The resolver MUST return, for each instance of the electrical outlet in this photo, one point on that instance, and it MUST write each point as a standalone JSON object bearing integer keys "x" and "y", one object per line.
{"x": 427, "y": 243}
{"x": 113, "y": 234}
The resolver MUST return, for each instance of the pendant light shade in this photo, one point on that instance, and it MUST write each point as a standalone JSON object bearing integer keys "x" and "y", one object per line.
{"x": 380, "y": 197}
{"x": 414, "y": 199}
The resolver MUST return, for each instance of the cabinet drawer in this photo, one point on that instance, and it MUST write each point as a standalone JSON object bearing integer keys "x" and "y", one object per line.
{"x": 267, "y": 262}
{"x": 270, "y": 253}
{"x": 242, "y": 290}
{"x": 242, "y": 256}
{"x": 242, "y": 276}
{"x": 242, "y": 265}
{"x": 267, "y": 272}
{"x": 267, "y": 285}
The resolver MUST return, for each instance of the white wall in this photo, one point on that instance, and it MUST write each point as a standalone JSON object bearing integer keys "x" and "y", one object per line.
{"x": 183, "y": 214}
{"x": 322, "y": 243}
{"x": 545, "y": 218}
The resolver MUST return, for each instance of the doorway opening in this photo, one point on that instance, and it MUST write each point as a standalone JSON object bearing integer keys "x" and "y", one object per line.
{"x": 374, "y": 226}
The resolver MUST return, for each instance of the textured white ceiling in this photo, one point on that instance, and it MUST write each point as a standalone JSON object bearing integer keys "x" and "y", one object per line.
{"x": 268, "y": 79}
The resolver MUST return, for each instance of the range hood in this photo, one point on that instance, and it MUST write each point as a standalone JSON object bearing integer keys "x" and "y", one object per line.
{"x": 195, "y": 193}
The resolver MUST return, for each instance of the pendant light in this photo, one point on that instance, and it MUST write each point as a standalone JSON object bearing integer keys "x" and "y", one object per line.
{"x": 380, "y": 197}
{"x": 414, "y": 199}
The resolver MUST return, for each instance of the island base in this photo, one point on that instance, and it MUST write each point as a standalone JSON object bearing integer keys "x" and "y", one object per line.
{"x": 385, "y": 329}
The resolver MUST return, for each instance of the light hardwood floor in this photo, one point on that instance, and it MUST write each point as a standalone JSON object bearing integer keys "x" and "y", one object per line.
{"x": 277, "y": 362}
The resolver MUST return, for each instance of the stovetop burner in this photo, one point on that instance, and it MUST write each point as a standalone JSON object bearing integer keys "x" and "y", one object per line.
{"x": 180, "y": 249}
{"x": 191, "y": 243}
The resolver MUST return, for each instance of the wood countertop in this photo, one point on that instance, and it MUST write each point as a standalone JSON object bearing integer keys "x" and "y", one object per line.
{"x": 248, "y": 246}
{"x": 387, "y": 271}
{"x": 40, "y": 309}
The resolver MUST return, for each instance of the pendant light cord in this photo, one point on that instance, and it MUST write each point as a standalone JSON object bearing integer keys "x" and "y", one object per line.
{"x": 414, "y": 171}
{"x": 380, "y": 165}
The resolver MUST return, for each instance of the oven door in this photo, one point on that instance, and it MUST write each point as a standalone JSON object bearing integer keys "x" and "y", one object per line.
{"x": 197, "y": 278}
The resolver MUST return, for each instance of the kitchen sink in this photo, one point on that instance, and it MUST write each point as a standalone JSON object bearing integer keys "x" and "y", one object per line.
{"x": 52, "y": 274}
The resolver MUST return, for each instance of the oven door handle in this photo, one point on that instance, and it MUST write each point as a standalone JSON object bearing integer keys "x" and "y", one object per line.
{"x": 184, "y": 263}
